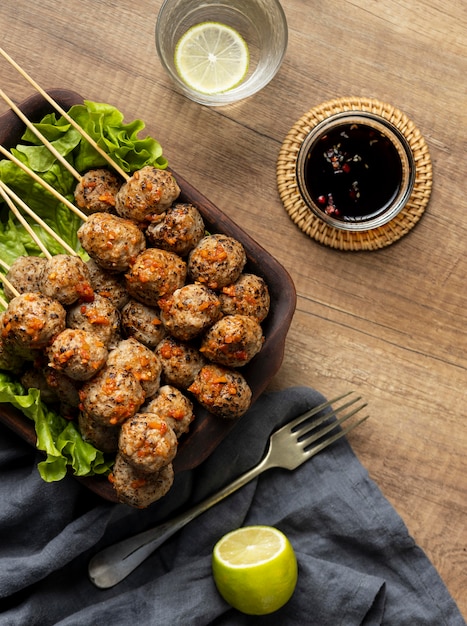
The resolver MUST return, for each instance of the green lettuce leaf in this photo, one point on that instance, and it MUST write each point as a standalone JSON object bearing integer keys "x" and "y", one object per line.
{"x": 58, "y": 438}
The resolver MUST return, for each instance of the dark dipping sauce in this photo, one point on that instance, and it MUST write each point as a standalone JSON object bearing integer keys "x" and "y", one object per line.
{"x": 353, "y": 172}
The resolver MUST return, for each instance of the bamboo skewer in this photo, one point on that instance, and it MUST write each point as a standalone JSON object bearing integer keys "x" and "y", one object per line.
{"x": 23, "y": 222}
{"x": 7, "y": 283}
{"x": 40, "y": 136}
{"x": 5, "y": 189}
{"x": 5, "y": 266}
{"x": 62, "y": 112}
{"x": 44, "y": 184}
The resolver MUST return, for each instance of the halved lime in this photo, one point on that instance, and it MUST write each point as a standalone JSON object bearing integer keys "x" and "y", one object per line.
{"x": 255, "y": 569}
{"x": 211, "y": 58}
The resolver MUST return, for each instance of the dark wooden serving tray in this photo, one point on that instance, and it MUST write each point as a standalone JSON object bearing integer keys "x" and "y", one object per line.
{"x": 207, "y": 431}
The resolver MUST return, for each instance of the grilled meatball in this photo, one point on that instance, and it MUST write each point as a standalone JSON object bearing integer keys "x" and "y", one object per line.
{"x": 96, "y": 191}
{"x": 179, "y": 230}
{"x": 189, "y": 311}
{"x": 112, "y": 396}
{"x": 66, "y": 278}
{"x": 113, "y": 242}
{"x": 143, "y": 323}
{"x": 79, "y": 354}
{"x": 31, "y": 320}
{"x": 108, "y": 285}
{"x": 155, "y": 274}
{"x": 99, "y": 317}
{"x": 34, "y": 378}
{"x": 133, "y": 356}
{"x": 104, "y": 438}
{"x": 66, "y": 389}
{"x": 222, "y": 391}
{"x": 149, "y": 192}
{"x": 173, "y": 407}
{"x": 24, "y": 275}
{"x": 10, "y": 360}
{"x": 147, "y": 442}
{"x": 249, "y": 295}
{"x": 139, "y": 489}
{"x": 233, "y": 340}
{"x": 180, "y": 361}
{"x": 217, "y": 261}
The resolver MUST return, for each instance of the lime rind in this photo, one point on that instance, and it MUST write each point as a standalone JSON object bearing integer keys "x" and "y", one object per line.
{"x": 211, "y": 58}
{"x": 256, "y": 587}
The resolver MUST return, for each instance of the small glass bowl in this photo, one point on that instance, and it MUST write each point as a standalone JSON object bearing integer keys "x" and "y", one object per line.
{"x": 261, "y": 23}
{"x": 355, "y": 171}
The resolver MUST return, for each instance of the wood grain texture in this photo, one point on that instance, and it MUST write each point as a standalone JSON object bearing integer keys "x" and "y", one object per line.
{"x": 391, "y": 323}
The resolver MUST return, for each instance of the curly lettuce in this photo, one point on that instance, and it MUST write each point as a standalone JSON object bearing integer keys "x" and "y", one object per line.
{"x": 57, "y": 437}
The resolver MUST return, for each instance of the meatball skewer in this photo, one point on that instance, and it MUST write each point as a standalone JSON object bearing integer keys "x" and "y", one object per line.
{"x": 111, "y": 241}
{"x": 5, "y": 192}
{"x": 97, "y": 190}
{"x": 31, "y": 320}
{"x": 147, "y": 193}
{"x": 89, "y": 194}
{"x": 9, "y": 285}
{"x": 43, "y": 183}
{"x": 23, "y": 274}
{"x": 40, "y": 136}
{"x": 64, "y": 113}
{"x": 13, "y": 196}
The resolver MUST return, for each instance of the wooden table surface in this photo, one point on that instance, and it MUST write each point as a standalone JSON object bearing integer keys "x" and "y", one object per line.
{"x": 390, "y": 324}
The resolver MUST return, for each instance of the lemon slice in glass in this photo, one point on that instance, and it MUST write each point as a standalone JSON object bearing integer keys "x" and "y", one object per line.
{"x": 211, "y": 58}
{"x": 255, "y": 569}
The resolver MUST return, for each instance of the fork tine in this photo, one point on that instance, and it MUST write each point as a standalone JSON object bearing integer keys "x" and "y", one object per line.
{"x": 303, "y": 432}
{"x": 327, "y": 442}
{"x": 315, "y": 410}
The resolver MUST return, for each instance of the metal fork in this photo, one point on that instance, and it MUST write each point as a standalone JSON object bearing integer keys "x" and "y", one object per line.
{"x": 289, "y": 447}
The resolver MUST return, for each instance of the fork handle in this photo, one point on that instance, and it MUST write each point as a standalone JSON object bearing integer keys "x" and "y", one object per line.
{"x": 116, "y": 562}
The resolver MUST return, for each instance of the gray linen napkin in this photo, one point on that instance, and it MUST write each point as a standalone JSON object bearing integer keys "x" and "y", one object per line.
{"x": 357, "y": 563}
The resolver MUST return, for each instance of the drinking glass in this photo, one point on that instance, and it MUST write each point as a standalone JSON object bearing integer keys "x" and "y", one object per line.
{"x": 261, "y": 23}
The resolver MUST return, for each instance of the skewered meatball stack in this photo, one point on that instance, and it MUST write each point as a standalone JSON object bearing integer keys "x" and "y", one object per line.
{"x": 112, "y": 396}
{"x": 248, "y": 295}
{"x": 222, "y": 391}
{"x": 233, "y": 341}
{"x": 173, "y": 407}
{"x": 24, "y": 274}
{"x": 96, "y": 191}
{"x": 142, "y": 322}
{"x": 137, "y": 488}
{"x": 99, "y": 317}
{"x": 31, "y": 321}
{"x": 77, "y": 353}
{"x": 180, "y": 360}
{"x": 148, "y": 193}
{"x": 161, "y": 313}
{"x": 66, "y": 279}
{"x": 189, "y": 311}
{"x": 108, "y": 285}
{"x": 179, "y": 230}
{"x": 154, "y": 274}
{"x": 143, "y": 470}
{"x": 133, "y": 356}
{"x": 217, "y": 261}
{"x": 111, "y": 241}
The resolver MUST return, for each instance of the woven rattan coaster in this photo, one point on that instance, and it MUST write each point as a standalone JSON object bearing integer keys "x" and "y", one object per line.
{"x": 316, "y": 228}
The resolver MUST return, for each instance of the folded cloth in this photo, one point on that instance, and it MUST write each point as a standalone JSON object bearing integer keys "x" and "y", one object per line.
{"x": 357, "y": 563}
